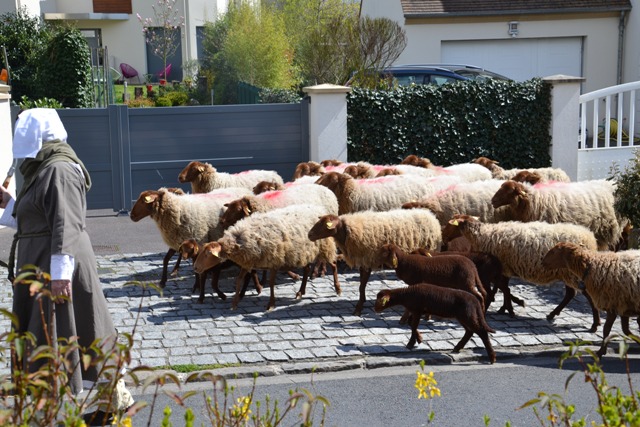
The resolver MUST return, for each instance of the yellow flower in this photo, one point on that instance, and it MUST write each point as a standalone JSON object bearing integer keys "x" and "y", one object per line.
{"x": 241, "y": 409}
{"x": 426, "y": 385}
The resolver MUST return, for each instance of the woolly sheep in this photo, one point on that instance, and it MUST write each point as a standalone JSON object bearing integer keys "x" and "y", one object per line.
{"x": 612, "y": 279}
{"x": 414, "y": 160}
{"x": 521, "y": 246}
{"x": 205, "y": 178}
{"x": 588, "y": 203}
{"x": 274, "y": 240}
{"x": 466, "y": 171}
{"x": 378, "y": 194}
{"x": 424, "y": 298}
{"x": 528, "y": 176}
{"x": 470, "y": 198}
{"x": 181, "y": 217}
{"x": 293, "y": 195}
{"x": 264, "y": 186}
{"x": 547, "y": 174}
{"x": 359, "y": 235}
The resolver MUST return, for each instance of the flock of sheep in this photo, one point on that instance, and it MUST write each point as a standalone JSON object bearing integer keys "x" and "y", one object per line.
{"x": 455, "y": 235}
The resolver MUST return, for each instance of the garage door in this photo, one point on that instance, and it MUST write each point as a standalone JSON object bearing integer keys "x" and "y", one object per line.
{"x": 519, "y": 59}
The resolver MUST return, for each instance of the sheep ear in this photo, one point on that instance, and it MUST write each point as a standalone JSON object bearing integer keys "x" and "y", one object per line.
{"x": 394, "y": 261}
{"x": 329, "y": 225}
{"x": 215, "y": 252}
{"x": 429, "y": 254}
{"x": 454, "y": 222}
{"x": 384, "y": 300}
{"x": 477, "y": 218}
{"x": 149, "y": 199}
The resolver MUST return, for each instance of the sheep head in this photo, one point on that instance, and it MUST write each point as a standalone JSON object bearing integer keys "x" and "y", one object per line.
{"x": 414, "y": 160}
{"x": 486, "y": 162}
{"x": 189, "y": 249}
{"x": 327, "y": 226}
{"x": 264, "y": 186}
{"x": 144, "y": 206}
{"x": 455, "y": 226}
{"x": 334, "y": 181}
{"x": 331, "y": 162}
{"x": 358, "y": 171}
{"x": 209, "y": 257}
{"x": 527, "y": 176}
{"x": 382, "y": 300}
{"x": 308, "y": 169}
{"x": 236, "y": 210}
{"x": 193, "y": 170}
{"x": 388, "y": 255}
{"x": 510, "y": 192}
{"x": 388, "y": 171}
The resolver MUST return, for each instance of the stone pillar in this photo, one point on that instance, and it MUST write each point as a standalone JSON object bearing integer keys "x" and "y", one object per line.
{"x": 6, "y": 136}
{"x": 327, "y": 122}
{"x": 565, "y": 122}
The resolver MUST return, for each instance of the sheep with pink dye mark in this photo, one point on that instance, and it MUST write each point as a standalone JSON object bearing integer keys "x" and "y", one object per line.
{"x": 205, "y": 178}
{"x": 547, "y": 174}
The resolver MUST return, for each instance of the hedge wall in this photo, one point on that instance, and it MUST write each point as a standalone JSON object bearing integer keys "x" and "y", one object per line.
{"x": 454, "y": 123}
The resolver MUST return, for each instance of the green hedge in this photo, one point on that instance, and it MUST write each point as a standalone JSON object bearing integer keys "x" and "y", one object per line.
{"x": 454, "y": 123}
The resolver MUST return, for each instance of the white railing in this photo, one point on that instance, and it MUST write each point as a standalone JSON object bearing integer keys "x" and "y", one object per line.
{"x": 610, "y": 133}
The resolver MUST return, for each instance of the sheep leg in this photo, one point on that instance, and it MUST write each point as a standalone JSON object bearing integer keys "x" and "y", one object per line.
{"x": 239, "y": 282}
{"x": 606, "y": 329}
{"x": 245, "y": 284}
{"x": 293, "y": 275}
{"x": 594, "y": 311}
{"x": 174, "y": 272}
{"x": 364, "y": 278}
{"x": 415, "y": 334}
{"x": 165, "y": 267}
{"x": 336, "y": 281}
{"x": 303, "y": 286}
{"x": 468, "y": 333}
{"x": 272, "y": 286}
{"x": 215, "y": 279}
{"x": 405, "y": 317}
{"x": 624, "y": 321}
{"x": 569, "y": 293}
{"x": 256, "y": 281}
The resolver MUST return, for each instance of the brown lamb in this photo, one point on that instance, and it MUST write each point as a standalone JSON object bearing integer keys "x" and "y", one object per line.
{"x": 424, "y": 298}
{"x": 451, "y": 271}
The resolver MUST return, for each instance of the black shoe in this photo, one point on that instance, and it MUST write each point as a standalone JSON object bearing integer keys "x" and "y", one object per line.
{"x": 99, "y": 418}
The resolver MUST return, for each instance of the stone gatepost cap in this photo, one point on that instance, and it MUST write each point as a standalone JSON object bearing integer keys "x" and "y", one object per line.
{"x": 326, "y": 88}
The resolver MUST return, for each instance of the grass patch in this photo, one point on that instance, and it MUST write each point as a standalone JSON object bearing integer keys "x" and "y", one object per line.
{"x": 118, "y": 91}
{"x": 185, "y": 369}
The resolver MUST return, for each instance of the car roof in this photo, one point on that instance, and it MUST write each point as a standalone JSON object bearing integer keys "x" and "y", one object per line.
{"x": 458, "y": 69}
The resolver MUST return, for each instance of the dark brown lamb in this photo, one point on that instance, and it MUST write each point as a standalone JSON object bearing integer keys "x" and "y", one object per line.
{"x": 423, "y": 298}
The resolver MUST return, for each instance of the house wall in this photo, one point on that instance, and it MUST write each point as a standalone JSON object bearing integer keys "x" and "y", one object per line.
{"x": 425, "y": 37}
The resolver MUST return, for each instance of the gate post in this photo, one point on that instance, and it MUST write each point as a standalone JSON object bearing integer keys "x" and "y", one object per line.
{"x": 327, "y": 122}
{"x": 6, "y": 136}
{"x": 565, "y": 122}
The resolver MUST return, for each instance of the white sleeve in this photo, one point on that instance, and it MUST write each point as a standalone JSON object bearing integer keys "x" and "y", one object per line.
{"x": 62, "y": 267}
{"x": 6, "y": 218}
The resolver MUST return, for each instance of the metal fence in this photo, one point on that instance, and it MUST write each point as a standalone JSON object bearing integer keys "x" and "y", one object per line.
{"x": 129, "y": 150}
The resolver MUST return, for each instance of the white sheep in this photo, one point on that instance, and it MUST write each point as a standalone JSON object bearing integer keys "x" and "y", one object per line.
{"x": 205, "y": 178}
{"x": 467, "y": 171}
{"x": 588, "y": 203}
{"x": 612, "y": 279}
{"x": 547, "y": 174}
{"x": 378, "y": 194}
{"x": 521, "y": 246}
{"x": 470, "y": 198}
{"x": 274, "y": 240}
{"x": 182, "y": 217}
{"x": 359, "y": 236}
{"x": 292, "y": 195}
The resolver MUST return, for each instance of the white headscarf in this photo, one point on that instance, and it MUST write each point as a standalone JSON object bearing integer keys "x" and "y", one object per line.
{"x": 35, "y": 126}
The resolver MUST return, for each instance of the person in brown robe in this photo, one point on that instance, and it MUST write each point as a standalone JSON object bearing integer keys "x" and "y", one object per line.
{"x": 49, "y": 213}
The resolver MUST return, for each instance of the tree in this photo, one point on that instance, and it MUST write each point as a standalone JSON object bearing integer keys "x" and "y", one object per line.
{"x": 162, "y": 32}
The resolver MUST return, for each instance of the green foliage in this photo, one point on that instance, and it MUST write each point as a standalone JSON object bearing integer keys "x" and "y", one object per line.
{"x": 65, "y": 70}
{"x": 627, "y": 202}
{"x": 162, "y": 32}
{"x": 614, "y": 406}
{"x": 25, "y": 39}
{"x": 215, "y": 66}
{"x": 27, "y": 103}
{"x": 279, "y": 96}
{"x": 163, "y": 101}
{"x": 452, "y": 123}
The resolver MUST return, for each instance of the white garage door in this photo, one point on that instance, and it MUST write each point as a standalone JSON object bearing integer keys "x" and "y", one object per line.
{"x": 519, "y": 59}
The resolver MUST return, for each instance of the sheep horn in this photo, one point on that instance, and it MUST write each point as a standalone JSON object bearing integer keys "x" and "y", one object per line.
{"x": 246, "y": 210}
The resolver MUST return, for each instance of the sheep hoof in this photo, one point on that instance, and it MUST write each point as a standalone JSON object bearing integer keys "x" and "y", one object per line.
{"x": 162, "y": 285}
{"x": 200, "y": 300}
{"x": 357, "y": 312}
{"x": 298, "y": 295}
{"x": 222, "y": 296}
{"x": 550, "y": 317}
{"x": 410, "y": 345}
{"x": 593, "y": 328}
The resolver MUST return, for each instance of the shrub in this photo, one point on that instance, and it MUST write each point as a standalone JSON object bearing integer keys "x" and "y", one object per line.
{"x": 141, "y": 103}
{"x": 27, "y": 103}
{"x": 452, "y": 123}
{"x": 279, "y": 96}
{"x": 627, "y": 202}
{"x": 163, "y": 101}
{"x": 177, "y": 98}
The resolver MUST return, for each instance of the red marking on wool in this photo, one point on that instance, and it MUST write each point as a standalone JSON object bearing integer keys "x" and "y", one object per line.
{"x": 442, "y": 170}
{"x": 446, "y": 190}
{"x": 381, "y": 180}
{"x": 378, "y": 168}
{"x": 216, "y": 195}
{"x": 550, "y": 184}
{"x": 270, "y": 195}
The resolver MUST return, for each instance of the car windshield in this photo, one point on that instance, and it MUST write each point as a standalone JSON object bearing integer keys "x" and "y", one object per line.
{"x": 480, "y": 75}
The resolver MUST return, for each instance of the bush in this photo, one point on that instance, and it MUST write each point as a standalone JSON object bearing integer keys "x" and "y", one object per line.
{"x": 163, "y": 101}
{"x": 452, "y": 123}
{"x": 279, "y": 96}
{"x": 141, "y": 103}
{"x": 27, "y": 103}
{"x": 177, "y": 98}
{"x": 627, "y": 202}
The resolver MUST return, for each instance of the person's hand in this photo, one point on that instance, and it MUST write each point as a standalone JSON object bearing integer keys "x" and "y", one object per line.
{"x": 6, "y": 196}
{"x": 60, "y": 288}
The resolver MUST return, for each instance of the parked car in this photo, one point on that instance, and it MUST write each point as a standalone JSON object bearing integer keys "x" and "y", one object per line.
{"x": 405, "y": 75}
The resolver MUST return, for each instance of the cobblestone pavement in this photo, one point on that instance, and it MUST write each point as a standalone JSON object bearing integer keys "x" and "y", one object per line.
{"x": 318, "y": 330}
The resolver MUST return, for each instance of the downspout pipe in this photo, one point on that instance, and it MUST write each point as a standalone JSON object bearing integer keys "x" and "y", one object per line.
{"x": 621, "y": 27}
